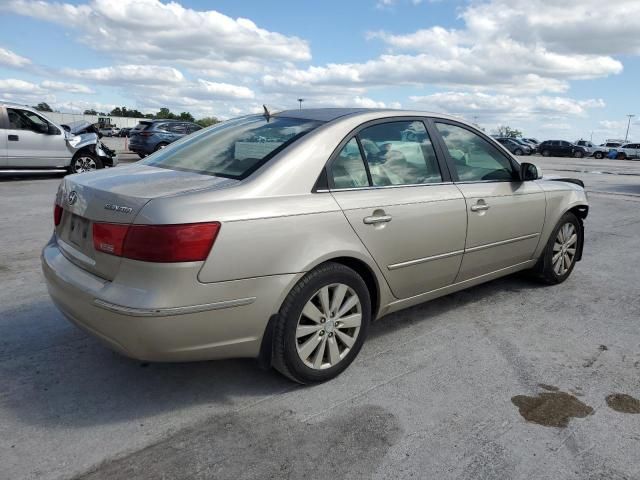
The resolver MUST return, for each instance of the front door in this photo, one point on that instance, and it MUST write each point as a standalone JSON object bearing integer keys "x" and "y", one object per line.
{"x": 33, "y": 142}
{"x": 505, "y": 215}
{"x": 409, "y": 216}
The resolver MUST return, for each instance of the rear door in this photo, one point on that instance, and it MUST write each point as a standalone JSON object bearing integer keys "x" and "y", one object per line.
{"x": 505, "y": 215}
{"x": 401, "y": 204}
{"x": 33, "y": 142}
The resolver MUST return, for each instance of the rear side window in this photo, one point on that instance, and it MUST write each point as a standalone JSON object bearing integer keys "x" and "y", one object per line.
{"x": 233, "y": 149}
{"x": 474, "y": 158}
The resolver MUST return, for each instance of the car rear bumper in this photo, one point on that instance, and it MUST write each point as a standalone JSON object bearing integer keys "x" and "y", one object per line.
{"x": 228, "y": 322}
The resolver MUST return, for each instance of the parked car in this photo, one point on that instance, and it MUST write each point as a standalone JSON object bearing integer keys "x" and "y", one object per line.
{"x": 106, "y": 131}
{"x": 514, "y": 146}
{"x": 587, "y": 145}
{"x": 603, "y": 149}
{"x": 533, "y": 148}
{"x": 275, "y": 236}
{"x": 32, "y": 141}
{"x": 124, "y": 132}
{"x": 532, "y": 141}
{"x": 561, "y": 148}
{"x": 629, "y": 151}
{"x": 152, "y": 135}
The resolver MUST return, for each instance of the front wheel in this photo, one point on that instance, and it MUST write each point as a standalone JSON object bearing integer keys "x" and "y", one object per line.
{"x": 621, "y": 156}
{"x": 85, "y": 162}
{"x": 578, "y": 154}
{"x": 559, "y": 256}
{"x": 322, "y": 324}
{"x": 545, "y": 153}
{"x": 597, "y": 155}
{"x": 518, "y": 152}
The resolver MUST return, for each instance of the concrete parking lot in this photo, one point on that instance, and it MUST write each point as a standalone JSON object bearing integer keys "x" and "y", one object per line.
{"x": 436, "y": 392}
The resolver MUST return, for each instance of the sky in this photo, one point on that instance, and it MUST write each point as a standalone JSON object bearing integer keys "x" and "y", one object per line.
{"x": 554, "y": 70}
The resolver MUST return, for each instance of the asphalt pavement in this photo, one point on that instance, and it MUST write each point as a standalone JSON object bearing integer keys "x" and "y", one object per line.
{"x": 444, "y": 390}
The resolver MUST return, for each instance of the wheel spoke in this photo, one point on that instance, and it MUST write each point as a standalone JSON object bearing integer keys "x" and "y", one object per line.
{"x": 309, "y": 346}
{"x": 311, "y": 312}
{"x": 304, "y": 330}
{"x": 346, "y": 339}
{"x": 557, "y": 246}
{"x": 338, "y": 297}
{"x": 324, "y": 300}
{"x": 317, "y": 359}
{"x": 572, "y": 240}
{"x": 571, "y": 251}
{"x": 567, "y": 260}
{"x": 334, "y": 353}
{"x": 350, "y": 321}
{"x": 351, "y": 302}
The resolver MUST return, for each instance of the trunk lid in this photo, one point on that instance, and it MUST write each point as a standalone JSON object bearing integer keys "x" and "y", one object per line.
{"x": 115, "y": 196}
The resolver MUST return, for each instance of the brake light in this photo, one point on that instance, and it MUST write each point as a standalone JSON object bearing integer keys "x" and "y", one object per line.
{"x": 145, "y": 134}
{"x": 57, "y": 214}
{"x": 189, "y": 242}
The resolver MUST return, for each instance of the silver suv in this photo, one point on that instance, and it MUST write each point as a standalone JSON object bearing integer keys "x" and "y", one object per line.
{"x": 29, "y": 140}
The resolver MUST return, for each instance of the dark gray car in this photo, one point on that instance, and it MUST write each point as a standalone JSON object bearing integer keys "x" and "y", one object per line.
{"x": 152, "y": 135}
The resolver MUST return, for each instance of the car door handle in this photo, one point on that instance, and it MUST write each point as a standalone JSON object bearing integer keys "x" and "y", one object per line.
{"x": 374, "y": 219}
{"x": 479, "y": 207}
{"x": 13, "y": 138}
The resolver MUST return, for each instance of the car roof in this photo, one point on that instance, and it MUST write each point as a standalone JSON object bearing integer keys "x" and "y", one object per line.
{"x": 330, "y": 114}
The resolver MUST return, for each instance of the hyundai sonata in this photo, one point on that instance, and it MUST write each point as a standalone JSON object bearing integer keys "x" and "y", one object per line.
{"x": 282, "y": 236}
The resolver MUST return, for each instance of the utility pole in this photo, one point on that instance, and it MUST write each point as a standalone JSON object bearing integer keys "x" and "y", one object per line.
{"x": 626, "y": 135}
{"x": 301, "y": 100}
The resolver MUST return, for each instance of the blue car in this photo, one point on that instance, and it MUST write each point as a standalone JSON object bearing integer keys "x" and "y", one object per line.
{"x": 152, "y": 135}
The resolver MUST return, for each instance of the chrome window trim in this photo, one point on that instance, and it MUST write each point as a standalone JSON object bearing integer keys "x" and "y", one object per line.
{"x": 379, "y": 187}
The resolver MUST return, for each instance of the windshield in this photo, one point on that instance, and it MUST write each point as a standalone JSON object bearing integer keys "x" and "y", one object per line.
{"x": 233, "y": 149}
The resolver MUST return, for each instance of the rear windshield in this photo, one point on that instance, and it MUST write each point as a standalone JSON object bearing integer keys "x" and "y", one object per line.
{"x": 142, "y": 125}
{"x": 232, "y": 149}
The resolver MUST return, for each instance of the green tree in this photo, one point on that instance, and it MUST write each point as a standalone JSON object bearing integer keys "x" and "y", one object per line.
{"x": 207, "y": 121}
{"x": 90, "y": 111}
{"x": 186, "y": 116}
{"x": 506, "y": 131}
{"x": 165, "y": 113}
{"x": 43, "y": 107}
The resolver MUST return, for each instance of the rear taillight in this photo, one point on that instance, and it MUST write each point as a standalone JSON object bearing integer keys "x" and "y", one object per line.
{"x": 145, "y": 134}
{"x": 57, "y": 214}
{"x": 189, "y": 242}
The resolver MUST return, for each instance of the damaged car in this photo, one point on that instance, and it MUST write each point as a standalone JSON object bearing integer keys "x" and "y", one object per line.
{"x": 30, "y": 141}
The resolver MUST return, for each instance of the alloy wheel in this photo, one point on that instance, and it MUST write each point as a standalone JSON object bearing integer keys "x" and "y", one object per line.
{"x": 564, "y": 249}
{"x": 84, "y": 164}
{"x": 328, "y": 326}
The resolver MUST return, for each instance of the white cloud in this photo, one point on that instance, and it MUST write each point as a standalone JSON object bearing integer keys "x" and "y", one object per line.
{"x": 66, "y": 87}
{"x": 204, "y": 89}
{"x": 128, "y": 74}
{"x": 150, "y": 30}
{"x": 12, "y": 86}
{"x": 11, "y": 59}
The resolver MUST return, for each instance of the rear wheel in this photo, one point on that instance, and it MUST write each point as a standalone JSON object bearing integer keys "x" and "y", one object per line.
{"x": 598, "y": 155}
{"x": 322, "y": 324}
{"x": 545, "y": 153}
{"x": 621, "y": 156}
{"x": 160, "y": 146}
{"x": 85, "y": 162}
{"x": 142, "y": 155}
{"x": 578, "y": 154}
{"x": 559, "y": 256}
{"x": 518, "y": 151}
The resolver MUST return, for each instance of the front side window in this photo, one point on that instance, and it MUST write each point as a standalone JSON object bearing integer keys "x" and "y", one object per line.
{"x": 474, "y": 158}
{"x": 25, "y": 120}
{"x": 233, "y": 149}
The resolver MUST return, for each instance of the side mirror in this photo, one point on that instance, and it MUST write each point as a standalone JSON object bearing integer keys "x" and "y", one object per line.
{"x": 528, "y": 171}
{"x": 53, "y": 130}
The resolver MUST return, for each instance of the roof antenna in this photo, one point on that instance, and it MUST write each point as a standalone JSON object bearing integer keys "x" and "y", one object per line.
{"x": 267, "y": 115}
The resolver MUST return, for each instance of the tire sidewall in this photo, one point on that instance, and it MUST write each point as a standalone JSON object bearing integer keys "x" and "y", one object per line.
{"x": 545, "y": 153}
{"x": 548, "y": 255}
{"x": 292, "y": 309}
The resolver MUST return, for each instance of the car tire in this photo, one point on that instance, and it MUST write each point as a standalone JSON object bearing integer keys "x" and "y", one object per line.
{"x": 142, "y": 155}
{"x": 621, "y": 156}
{"x": 84, "y": 162}
{"x": 517, "y": 152}
{"x": 545, "y": 153}
{"x": 578, "y": 154}
{"x": 309, "y": 345}
{"x": 597, "y": 155}
{"x": 160, "y": 146}
{"x": 551, "y": 268}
